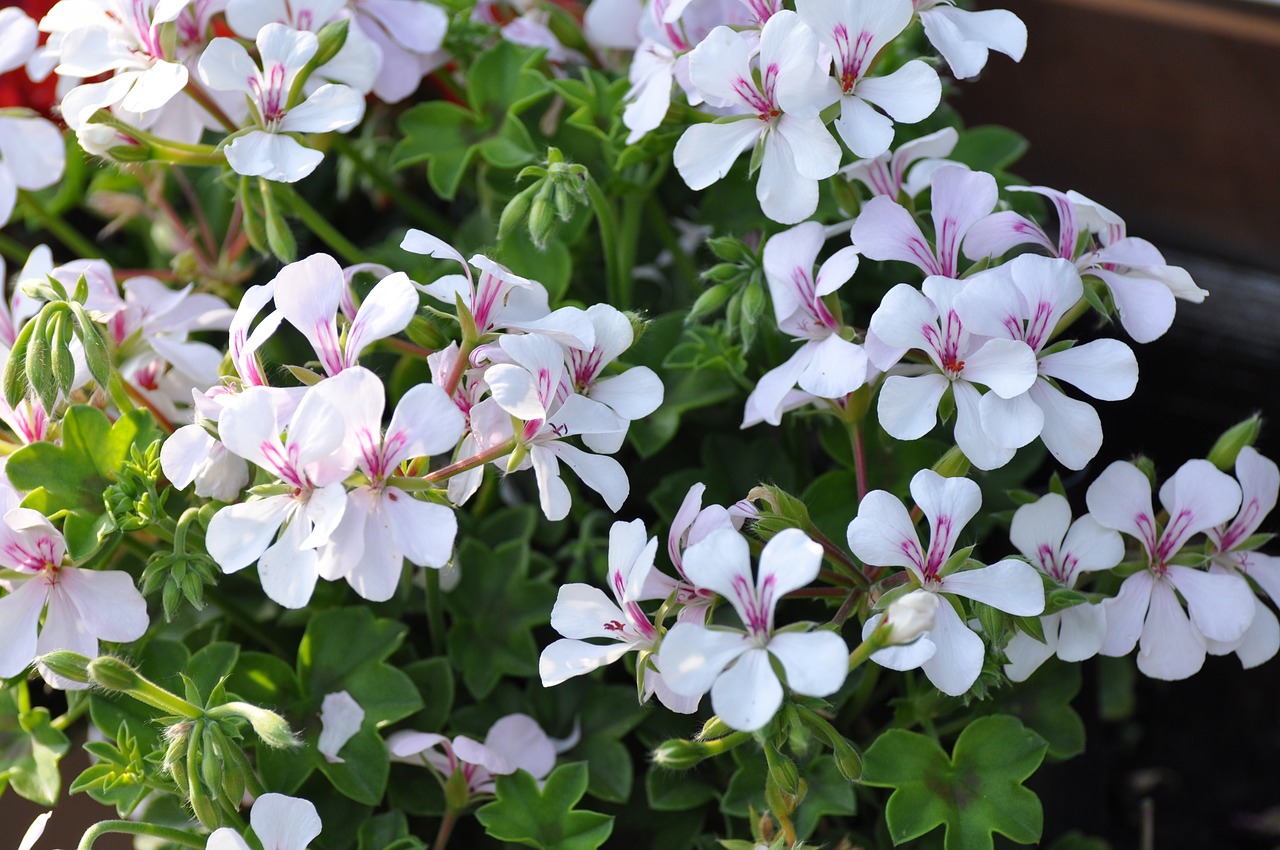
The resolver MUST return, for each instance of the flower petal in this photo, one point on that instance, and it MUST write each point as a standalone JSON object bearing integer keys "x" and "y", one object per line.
{"x": 748, "y": 694}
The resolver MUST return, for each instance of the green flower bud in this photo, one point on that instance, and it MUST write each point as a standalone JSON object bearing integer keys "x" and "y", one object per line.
{"x": 68, "y": 665}
{"x": 542, "y": 220}
{"x": 1224, "y": 451}
{"x": 331, "y": 39}
{"x": 953, "y": 464}
{"x": 112, "y": 674}
{"x": 269, "y": 726}
{"x": 515, "y": 210}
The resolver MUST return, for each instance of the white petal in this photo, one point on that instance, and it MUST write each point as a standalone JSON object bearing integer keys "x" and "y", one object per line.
{"x": 910, "y": 94}
{"x": 790, "y": 561}
{"x": 867, "y": 132}
{"x": 387, "y": 310}
{"x": 239, "y": 534}
{"x": 1198, "y": 496}
{"x": 906, "y": 656}
{"x": 1262, "y": 640}
{"x": 1146, "y": 306}
{"x": 1011, "y": 423}
{"x": 271, "y": 155}
{"x": 1126, "y": 613}
{"x": 288, "y": 570}
{"x": 225, "y": 66}
{"x": 1037, "y": 529}
{"x": 882, "y": 533}
{"x": 837, "y": 367}
{"x": 1084, "y": 628}
{"x": 564, "y": 659}
{"x": 602, "y": 474}
{"x": 1105, "y": 368}
{"x": 19, "y": 615}
{"x": 1007, "y": 366}
{"x": 1026, "y": 654}
{"x": 330, "y": 107}
{"x": 1120, "y": 498}
{"x": 109, "y": 603}
{"x": 1220, "y": 604}
{"x": 969, "y": 435}
{"x": 748, "y": 694}
{"x": 519, "y": 739}
{"x": 786, "y": 195}
{"x": 691, "y": 657}
{"x": 155, "y": 87}
{"x": 816, "y": 662}
{"x": 1072, "y": 430}
{"x": 908, "y": 407}
{"x": 1170, "y": 648}
{"x": 284, "y": 823}
{"x": 957, "y": 662}
{"x": 423, "y": 531}
{"x": 582, "y": 611}
{"x": 1093, "y": 547}
{"x": 1011, "y": 586}
{"x": 706, "y": 152}
{"x": 340, "y": 719}
{"x": 33, "y": 833}
{"x": 633, "y": 395}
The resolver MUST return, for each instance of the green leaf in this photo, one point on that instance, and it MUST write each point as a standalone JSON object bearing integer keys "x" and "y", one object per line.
{"x": 974, "y": 793}
{"x": 30, "y": 749}
{"x": 545, "y": 818}
{"x": 338, "y": 642}
{"x": 388, "y": 831}
{"x": 362, "y": 775}
{"x": 434, "y": 679}
{"x": 675, "y": 790}
{"x": 264, "y": 680}
{"x": 211, "y": 665}
{"x": 496, "y": 607}
{"x": 989, "y": 148}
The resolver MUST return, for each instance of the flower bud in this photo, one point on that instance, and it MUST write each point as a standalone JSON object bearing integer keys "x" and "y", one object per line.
{"x": 112, "y": 674}
{"x": 679, "y": 754}
{"x": 782, "y": 772}
{"x": 330, "y": 40}
{"x": 953, "y": 464}
{"x": 269, "y": 726}
{"x": 68, "y": 665}
{"x": 910, "y": 616}
{"x": 1224, "y": 451}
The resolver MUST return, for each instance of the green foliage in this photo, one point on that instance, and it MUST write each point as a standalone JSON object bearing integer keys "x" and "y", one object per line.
{"x": 73, "y": 477}
{"x": 30, "y": 748}
{"x": 450, "y": 136}
{"x": 974, "y": 793}
{"x": 546, "y": 818}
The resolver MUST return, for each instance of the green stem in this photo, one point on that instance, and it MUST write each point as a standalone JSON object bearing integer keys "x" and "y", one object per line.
{"x": 55, "y": 224}
{"x": 874, "y": 643}
{"x": 428, "y": 218}
{"x": 607, "y": 221}
{"x": 857, "y": 445}
{"x": 14, "y": 250}
{"x": 446, "y": 829}
{"x": 202, "y": 97}
{"x": 427, "y": 482}
{"x": 128, "y": 827}
{"x": 320, "y": 226}
{"x": 632, "y": 217}
{"x": 1069, "y": 318}
{"x": 657, "y": 220}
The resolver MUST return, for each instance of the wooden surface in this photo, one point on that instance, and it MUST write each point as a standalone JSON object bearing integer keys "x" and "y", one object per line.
{"x": 1167, "y": 111}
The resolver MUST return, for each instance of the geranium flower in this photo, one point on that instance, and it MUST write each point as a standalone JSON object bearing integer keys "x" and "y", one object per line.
{"x": 882, "y": 534}
{"x": 515, "y": 742}
{"x": 267, "y": 150}
{"x": 583, "y": 612}
{"x": 736, "y": 666}
{"x": 1146, "y": 611}
{"x": 1061, "y": 549}
{"x": 781, "y": 114}
{"x": 964, "y": 37}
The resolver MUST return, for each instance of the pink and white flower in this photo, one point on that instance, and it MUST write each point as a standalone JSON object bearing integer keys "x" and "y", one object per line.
{"x": 827, "y": 365}
{"x": 382, "y": 525}
{"x": 1142, "y": 284}
{"x": 515, "y": 742}
{"x": 1146, "y": 611}
{"x": 854, "y": 33}
{"x": 961, "y": 198}
{"x": 409, "y": 35}
{"x": 890, "y": 174}
{"x": 267, "y": 149}
{"x": 80, "y": 606}
{"x": 908, "y": 405}
{"x": 583, "y": 613}
{"x": 308, "y": 295}
{"x": 32, "y": 155}
{"x": 528, "y": 389}
{"x": 1233, "y": 552}
{"x": 1061, "y": 549}
{"x": 736, "y": 666}
{"x": 780, "y": 115}
{"x": 501, "y": 299}
{"x": 882, "y": 534}
{"x": 310, "y": 462}
{"x": 358, "y": 62}
{"x": 1024, "y": 300}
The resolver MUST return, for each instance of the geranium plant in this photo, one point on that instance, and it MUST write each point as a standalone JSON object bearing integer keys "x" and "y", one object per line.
{"x": 340, "y": 461}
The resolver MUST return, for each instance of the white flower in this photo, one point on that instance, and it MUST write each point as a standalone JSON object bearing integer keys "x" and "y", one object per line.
{"x": 964, "y": 37}
{"x": 882, "y": 534}
{"x": 515, "y": 742}
{"x": 911, "y": 616}
{"x": 340, "y": 719}
{"x": 736, "y": 666}
{"x": 1061, "y": 549}
{"x": 268, "y": 150}
{"x": 781, "y": 115}
{"x": 1146, "y": 611}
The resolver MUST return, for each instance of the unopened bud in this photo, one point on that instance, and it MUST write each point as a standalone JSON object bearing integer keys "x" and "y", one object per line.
{"x": 1224, "y": 451}
{"x": 269, "y": 726}
{"x": 714, "y": 728}
{"x": 782, "y": 510}
{"x": 68, "y": 665}
{"x": 910, "y": 616}
{"x": 953, "y": 464}
{"x": 782, "y": 772}
{"x": 542, "y": 221}
{"x": 514, "y": 211}
{"x": 330, "y": 40}
{"x": 679, "y": 754}
{"x": 112, "y": 674}
{"x": 847, "y": 759}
